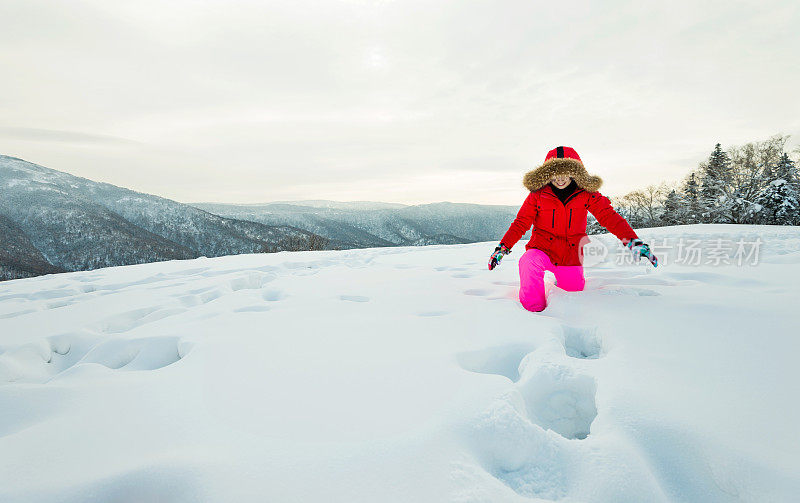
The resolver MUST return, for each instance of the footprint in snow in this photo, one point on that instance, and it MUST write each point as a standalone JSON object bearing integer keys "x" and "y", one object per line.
{"x": 76, "y": 353}
{"x": 477, "y": 292}
{"x": 123, "y": 322}
{"x": 518, "y": 452}
{"x": 463, "y": 275}
{"x": 257, "y": 308}
{"x": 582, "y": 342}
{"x": 189, "y": 300}
{"x": 505, "y": 283}
{"x": 450, "y": 268}
{"x": 59, "y": 293}
{"x": 627, "y": 290}
{"x": 511, "y": 439}
{"x": 559, "y": 399}
{"x": 16, "y": 313}
{"x": 60, "y": 303}
{"x": 500, "y": 360}
{"x": 251, "y": 281}
{"x": 354, "y": 298}
{"x": 212, "y": 294}
{"x": 273, "y": 295}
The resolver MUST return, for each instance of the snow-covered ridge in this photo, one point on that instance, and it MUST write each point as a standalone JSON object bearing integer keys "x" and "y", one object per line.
{"x": 316, "y": 203}
{"x": 76, "y": 224}
{"x": 406, "y": 374}
{"x": 380, "y": 224}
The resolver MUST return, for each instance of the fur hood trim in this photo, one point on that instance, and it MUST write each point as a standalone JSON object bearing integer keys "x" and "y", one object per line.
{"x": 539, "y": 177}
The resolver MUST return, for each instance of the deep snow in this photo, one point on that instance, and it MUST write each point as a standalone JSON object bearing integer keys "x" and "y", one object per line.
{"x": 406, "y": 374}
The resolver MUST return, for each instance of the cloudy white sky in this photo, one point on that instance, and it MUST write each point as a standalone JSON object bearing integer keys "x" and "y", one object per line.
{"x": 403, "y": 101}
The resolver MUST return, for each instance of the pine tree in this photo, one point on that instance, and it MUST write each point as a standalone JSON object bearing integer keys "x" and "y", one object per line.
{"x": 779, "y": 202}
{"x": 674, "y": 209}
{"x": 781, "y": 198}
{"x": 692, "y": 213}
{"x": 786, "y": 170}
{"x": 715, "y": 179}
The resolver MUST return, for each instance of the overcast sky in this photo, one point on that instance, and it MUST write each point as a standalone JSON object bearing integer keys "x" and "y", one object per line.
{"x": 404, "y": 101}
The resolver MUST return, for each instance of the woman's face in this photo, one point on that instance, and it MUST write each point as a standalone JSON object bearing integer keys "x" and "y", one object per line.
{"x": 560, "y": 181}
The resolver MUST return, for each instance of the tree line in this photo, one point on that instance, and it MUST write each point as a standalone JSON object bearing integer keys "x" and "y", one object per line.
{"x": 755, "y": 183}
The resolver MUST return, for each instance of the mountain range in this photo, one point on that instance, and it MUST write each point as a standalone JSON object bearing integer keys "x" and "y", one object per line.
{"x": 51, "y": 221}
{"x": 366, "y": 224}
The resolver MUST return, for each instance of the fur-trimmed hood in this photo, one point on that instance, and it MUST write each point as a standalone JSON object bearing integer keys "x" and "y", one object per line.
{"x": 539, "y": 177}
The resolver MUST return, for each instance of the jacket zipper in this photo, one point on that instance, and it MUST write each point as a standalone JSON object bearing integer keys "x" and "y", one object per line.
{"x": 569, "y": 223}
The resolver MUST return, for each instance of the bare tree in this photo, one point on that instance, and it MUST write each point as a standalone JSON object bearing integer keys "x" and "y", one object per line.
{"x": 644, "y": 205}
{"x": 753, "y": 167}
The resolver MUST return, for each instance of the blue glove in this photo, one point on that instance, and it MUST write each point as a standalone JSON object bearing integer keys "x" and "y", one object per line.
{"x": 498, "y": 255}
{"x": 640, "y": 249}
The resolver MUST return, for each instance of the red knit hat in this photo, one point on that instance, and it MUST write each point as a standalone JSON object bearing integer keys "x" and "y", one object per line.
{"x": 561, "y": 161}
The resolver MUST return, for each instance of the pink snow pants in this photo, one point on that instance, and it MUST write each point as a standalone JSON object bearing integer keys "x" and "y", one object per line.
{"x": 532, "y": 265}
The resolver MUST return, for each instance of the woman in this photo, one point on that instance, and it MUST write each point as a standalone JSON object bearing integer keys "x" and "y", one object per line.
{"x": 562, "y": 193}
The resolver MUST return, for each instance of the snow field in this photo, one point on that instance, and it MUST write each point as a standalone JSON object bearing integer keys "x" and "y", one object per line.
{"x": 403, "y": 374}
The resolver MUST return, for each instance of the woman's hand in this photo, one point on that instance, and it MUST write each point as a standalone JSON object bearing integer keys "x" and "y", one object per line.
{"x": 640, "y": 249}
{"x": 498, "y": 255}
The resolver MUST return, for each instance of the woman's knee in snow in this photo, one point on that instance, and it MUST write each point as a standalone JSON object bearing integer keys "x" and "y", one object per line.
{"x": 570, "y": 278}
{"x": 533, "y": 306}
{"x": 574, "y": 285}
{"x": 532, "y": 299}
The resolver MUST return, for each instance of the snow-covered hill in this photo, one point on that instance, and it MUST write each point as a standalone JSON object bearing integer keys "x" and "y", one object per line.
{"x": 77, "y": 224}
{"x": 19, "y": 258}
{"x": 409, "y": 374}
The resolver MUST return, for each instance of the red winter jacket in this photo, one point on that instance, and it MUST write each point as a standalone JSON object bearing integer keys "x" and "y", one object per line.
{"x": 559, "y": 229}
